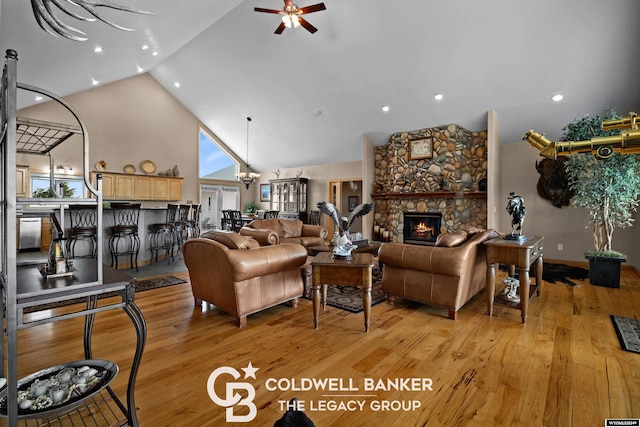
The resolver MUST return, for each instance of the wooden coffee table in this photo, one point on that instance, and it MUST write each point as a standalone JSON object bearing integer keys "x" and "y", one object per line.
{"x": 354, "y": 272}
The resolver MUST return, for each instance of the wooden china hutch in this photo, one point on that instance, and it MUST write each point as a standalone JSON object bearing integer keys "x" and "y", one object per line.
{"x": 289, "y": 197}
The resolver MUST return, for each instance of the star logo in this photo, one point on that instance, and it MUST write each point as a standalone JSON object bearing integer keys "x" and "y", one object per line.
{"x": 250, "y": 371}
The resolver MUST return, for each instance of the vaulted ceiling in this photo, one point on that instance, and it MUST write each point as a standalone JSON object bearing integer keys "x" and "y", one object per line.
{"x": 312, "y": 97}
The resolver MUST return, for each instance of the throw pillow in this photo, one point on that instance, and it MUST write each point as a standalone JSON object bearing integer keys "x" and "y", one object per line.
{"x": 450, "y": 240}
{"x": 229, "y": 239}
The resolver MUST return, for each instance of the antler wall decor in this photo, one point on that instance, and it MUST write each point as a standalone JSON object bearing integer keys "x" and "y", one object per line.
{"x": 44, "y": 13}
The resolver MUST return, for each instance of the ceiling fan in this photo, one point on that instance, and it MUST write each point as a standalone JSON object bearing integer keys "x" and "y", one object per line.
{"x": 292, "y": 15}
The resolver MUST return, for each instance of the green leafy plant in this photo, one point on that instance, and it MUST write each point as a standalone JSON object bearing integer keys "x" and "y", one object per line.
{"x": 42, "y": 193}
{"x": 609, "y": 188}
{"x": 251, "y": 207}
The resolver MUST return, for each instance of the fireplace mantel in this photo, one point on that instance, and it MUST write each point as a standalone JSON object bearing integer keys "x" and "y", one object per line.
{"x": 431, "y": 195}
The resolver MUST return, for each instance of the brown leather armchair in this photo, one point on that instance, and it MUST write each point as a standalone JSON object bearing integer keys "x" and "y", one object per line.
{"x": 235, "y": 274}
{"x": 275, "y": 231}
{"x": 447, "y": 275}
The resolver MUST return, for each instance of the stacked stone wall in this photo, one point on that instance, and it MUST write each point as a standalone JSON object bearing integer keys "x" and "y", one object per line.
{"x": 443, "y": 183}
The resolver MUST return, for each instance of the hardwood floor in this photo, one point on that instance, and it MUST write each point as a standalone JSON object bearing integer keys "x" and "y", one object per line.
{"x": 563, "y": 368}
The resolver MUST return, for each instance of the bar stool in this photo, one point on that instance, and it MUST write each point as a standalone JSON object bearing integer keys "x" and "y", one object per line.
{"x": 162, "y": 236}
{"x": 124, "y": 239}
{"x": 83, "y": 220}
{"x": 193, "y": 224}
{"x": 182, "y": 224}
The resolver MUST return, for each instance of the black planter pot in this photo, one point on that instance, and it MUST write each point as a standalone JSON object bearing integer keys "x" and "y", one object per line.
{"x": 604, "y": 271}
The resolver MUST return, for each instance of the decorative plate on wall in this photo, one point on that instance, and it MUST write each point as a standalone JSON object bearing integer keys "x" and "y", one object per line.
{"x": 129, "y": 169}
{"x": 148, "y": 166}
{"x": 101, "y": 166}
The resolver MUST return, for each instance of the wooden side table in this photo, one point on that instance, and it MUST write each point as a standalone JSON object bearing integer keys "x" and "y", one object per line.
{"x": 354, "y": 272}
{"x": 520, "y": 253}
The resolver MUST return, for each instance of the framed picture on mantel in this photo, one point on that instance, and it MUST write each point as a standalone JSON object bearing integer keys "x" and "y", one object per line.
{"x": 420, "y": 148}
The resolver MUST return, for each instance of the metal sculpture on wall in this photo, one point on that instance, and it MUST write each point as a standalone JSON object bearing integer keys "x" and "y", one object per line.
{"x": 628, "y": 142}
{"x": 47, "y": 20}
{"x": 553, "y": 184}
{"x": 517, "y": 210}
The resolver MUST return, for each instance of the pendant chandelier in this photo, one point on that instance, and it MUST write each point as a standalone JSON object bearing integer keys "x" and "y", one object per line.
{"x": 247, "y": 177}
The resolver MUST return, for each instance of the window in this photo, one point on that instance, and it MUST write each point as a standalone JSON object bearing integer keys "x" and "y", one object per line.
{"x": 215, "y": 163}
{"x": 74, "y": 184}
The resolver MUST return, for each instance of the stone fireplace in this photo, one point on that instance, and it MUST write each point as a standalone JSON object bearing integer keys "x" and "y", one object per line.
{"x": 421, "y": 228}
{"x": 447, "y": 177}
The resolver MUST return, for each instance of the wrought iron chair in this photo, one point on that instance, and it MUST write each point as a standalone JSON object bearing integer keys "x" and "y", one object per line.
{"x": 193, "y": 224}
{"x": 227, "y": 220}
{"x": 124, "y": 239}
{"x": 83, "y": 220}
{"x": 162, "y": 236}
{"x": 182, "y": 225}
{"x": 314, "y": 218}
{"x": 236, "y": 217}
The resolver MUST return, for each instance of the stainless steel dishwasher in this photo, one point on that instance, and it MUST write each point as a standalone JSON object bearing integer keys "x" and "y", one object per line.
{"x": 30, "y": 234}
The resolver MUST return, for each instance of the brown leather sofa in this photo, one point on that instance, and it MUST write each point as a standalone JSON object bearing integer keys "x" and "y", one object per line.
{"x": 275, "y": 231}
{"x": 237, "y": 275}
{"x": 447, "y": 275}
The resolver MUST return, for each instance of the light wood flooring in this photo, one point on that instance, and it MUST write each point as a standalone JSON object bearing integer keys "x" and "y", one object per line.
{"x": 564, "y": 367}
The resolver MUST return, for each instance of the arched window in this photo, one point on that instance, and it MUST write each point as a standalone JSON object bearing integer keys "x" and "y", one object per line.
{"x": 215, "y": 162}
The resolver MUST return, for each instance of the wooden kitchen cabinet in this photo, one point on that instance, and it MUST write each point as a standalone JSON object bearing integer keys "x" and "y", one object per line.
{"x": 143, "y": 187}
{"x": 45, "y": 234}
{"x": 122, "y": 186}
{"x": 23, "y": 181}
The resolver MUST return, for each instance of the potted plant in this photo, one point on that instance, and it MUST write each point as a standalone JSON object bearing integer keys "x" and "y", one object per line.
{"x": 251, "y": 208}
{"x": 609, "y": 189}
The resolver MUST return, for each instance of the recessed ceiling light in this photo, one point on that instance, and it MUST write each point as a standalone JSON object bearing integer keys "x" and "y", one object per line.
{"x": 438, "y": 96}
{"x": 94, "y": 82}
{"x": 155, "y": 53}
{"x": 557, "y": 97}
{"x": 140, "y": 69}
{"x": 98, "y": 49}
{"x": 38, "y": 98}
{"x": 145, "y": 47}
{"x": 385, "y": 108}
{"x": 177, "y": 84}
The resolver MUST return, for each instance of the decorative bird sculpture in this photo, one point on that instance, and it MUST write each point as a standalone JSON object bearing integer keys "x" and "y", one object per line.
{"x": 46, "y": 18}
{"x": 342, "y": 245}
{"x": 343, "y": 223}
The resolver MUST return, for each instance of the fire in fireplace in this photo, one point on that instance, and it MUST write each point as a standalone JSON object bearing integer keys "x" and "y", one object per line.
{"x": 421, "y": 228}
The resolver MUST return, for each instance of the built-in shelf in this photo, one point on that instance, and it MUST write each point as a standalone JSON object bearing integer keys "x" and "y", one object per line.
{"x": 432, "y": 195}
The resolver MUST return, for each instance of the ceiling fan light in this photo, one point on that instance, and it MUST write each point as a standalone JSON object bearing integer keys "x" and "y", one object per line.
{"x": 291, "y": 20}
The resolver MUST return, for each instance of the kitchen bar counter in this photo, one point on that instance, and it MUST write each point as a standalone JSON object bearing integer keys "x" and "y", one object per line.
{"x": 148, "y": 215}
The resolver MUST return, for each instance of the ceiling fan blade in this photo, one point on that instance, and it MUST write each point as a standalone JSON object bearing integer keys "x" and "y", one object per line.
{"x": 306, "y": 25}
{"x": 261, "y": 9}
{"x": 280, "y": 28}
{"x": 313, "y": 8}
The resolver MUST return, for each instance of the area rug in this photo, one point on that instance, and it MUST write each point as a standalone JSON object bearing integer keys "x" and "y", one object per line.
{"x": 562, "y": 273}
{"x": 349, "y": 298}
{"x": 139, "y": 285}
{"x": 628, "y": 331}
